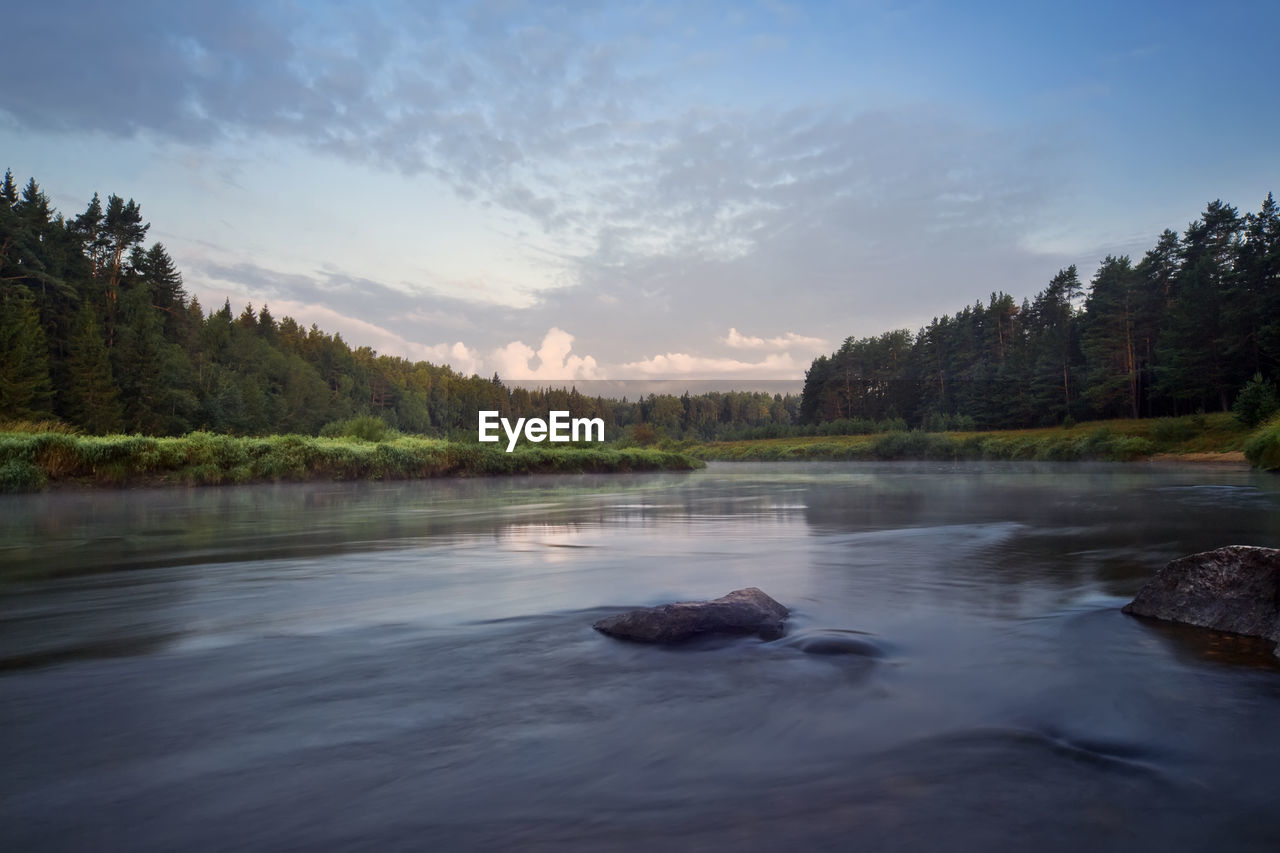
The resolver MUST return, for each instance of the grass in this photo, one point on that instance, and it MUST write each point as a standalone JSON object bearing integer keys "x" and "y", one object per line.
{"x": 30, "y": 461}
{"x": 1116, "y": 441}
{"x": 34, "y": 456}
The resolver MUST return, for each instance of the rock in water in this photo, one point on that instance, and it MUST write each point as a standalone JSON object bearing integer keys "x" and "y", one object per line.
{"x": 743, "y": 611}
{"x": 1236, "y": 589}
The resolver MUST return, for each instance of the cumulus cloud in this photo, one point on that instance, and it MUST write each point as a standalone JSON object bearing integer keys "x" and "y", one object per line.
{"x": 555, "y": 360}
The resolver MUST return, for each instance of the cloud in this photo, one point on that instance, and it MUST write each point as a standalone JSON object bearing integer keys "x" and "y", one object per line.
{"x": 682, "y": 365}
{"x": 738, "y": 340}
{"x": 555, "y": 359}
{"x": 661, "y": 212}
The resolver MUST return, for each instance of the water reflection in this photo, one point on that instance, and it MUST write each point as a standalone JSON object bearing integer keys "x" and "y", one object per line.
{"x": 411, "y": 664}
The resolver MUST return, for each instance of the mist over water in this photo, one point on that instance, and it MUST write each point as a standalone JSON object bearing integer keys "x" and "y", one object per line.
{"x": 411, "y": 666}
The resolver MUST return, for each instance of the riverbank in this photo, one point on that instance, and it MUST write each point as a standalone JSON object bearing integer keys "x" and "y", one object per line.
{"x": 36, "y": 460}
{"x": 1200, "y": 439}
{"x": 39, "y": 460}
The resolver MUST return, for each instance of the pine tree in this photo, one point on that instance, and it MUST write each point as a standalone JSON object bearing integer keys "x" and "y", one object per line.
{"x": 1056, "y": 346}
{"x": 93, "y": 240}
{"x": 25, "y": 389}
{"x": 1252, "y": 317}
{"x": 137, "y": 361}
{"x": 1109, "y": 342}
{"x": 92, "y": 397}
{"x": 122, "y": 229}
{"x": 9, "y": 189}
{"x": 1156, "y": 279}
{"x": 1192, "y": 367}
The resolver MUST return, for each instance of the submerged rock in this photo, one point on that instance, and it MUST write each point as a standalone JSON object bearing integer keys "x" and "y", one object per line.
{"x": 743, "y": 611}
{"x": 835, "y": 642}
{"x": 1236, "y": 589}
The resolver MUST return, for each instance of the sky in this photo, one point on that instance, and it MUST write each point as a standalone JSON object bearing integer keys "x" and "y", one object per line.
{"x": 594, "y": 190}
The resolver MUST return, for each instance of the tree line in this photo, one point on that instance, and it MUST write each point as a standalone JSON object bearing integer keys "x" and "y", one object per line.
{"x": 97, "y": 330}
{"x": 1188, "y": 328}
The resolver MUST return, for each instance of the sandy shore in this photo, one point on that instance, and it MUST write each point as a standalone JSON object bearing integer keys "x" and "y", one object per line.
{"x": 1229, "y": 458}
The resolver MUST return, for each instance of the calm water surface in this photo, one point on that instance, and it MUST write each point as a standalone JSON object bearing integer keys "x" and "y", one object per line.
{"x": 411, "y": 666}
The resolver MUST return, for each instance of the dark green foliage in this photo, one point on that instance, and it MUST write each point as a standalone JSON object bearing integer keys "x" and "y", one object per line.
{"x": 29, "y": 460}
{"x": 91, "y": 398}
{"x": 1256, "y": 402}
{"x": 1173, "y": 429}
{"x": 1055, "y": 446}
{"x": 17, "y": 475}
{"x": 1180, "y": 332}
{"x": 25, "y": 389}
{"x": 1109, "y": 340}
{"x": 364, "y": 427}
{"x": 1263, "y": 447}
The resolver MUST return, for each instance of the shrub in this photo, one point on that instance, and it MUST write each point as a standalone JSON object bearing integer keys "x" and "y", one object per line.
{"x": 1098, "y": 443}
{"x": 1130, "y": 447}
{"x": 17, "y": 475}
{"x": 1262, "y": 449}
{"x": 1256, "y": 401}
{"x": 363, "y": 427}
{"x": 1173, "y": 430}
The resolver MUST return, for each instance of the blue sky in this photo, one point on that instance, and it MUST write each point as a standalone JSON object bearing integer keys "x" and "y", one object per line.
{"x": 602, "y": 190}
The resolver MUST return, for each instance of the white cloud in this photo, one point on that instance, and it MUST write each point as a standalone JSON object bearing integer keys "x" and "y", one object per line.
{"x": 683, "y": 365}
{"x": 555, "y": 359}
{"x": 737, "y": 340}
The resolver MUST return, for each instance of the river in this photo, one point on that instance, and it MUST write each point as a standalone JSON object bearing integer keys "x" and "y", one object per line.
{"x": 411, "y": 666}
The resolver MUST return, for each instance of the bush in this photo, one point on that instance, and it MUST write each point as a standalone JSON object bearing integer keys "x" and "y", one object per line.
{"x": 17, "y": 475}
{"x": 1130, "y": 447}
{"x": 1256, "y": 401}
{"x": 914, "y": 445}
{"x": 1263, "y": 447}
{"x": 363, "y": 427}
{"x": 1173, "y": 430}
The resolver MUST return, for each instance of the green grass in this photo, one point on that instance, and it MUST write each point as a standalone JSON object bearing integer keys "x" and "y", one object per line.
{"x": 36, "y": 456}
{"x": 31, "y": 461}
{"x": 1115, "y": 441}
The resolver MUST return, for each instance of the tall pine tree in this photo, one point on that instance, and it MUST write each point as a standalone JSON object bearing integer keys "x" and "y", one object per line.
{"x": 25, "y": 389}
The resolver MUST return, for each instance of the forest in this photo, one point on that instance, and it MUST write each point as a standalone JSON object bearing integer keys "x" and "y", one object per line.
{"x": 97, "y": 331}
{"x": 1194, "y": 326}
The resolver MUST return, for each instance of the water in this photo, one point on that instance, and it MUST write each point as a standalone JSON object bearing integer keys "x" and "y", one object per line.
{"x": 412, "y": 666}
